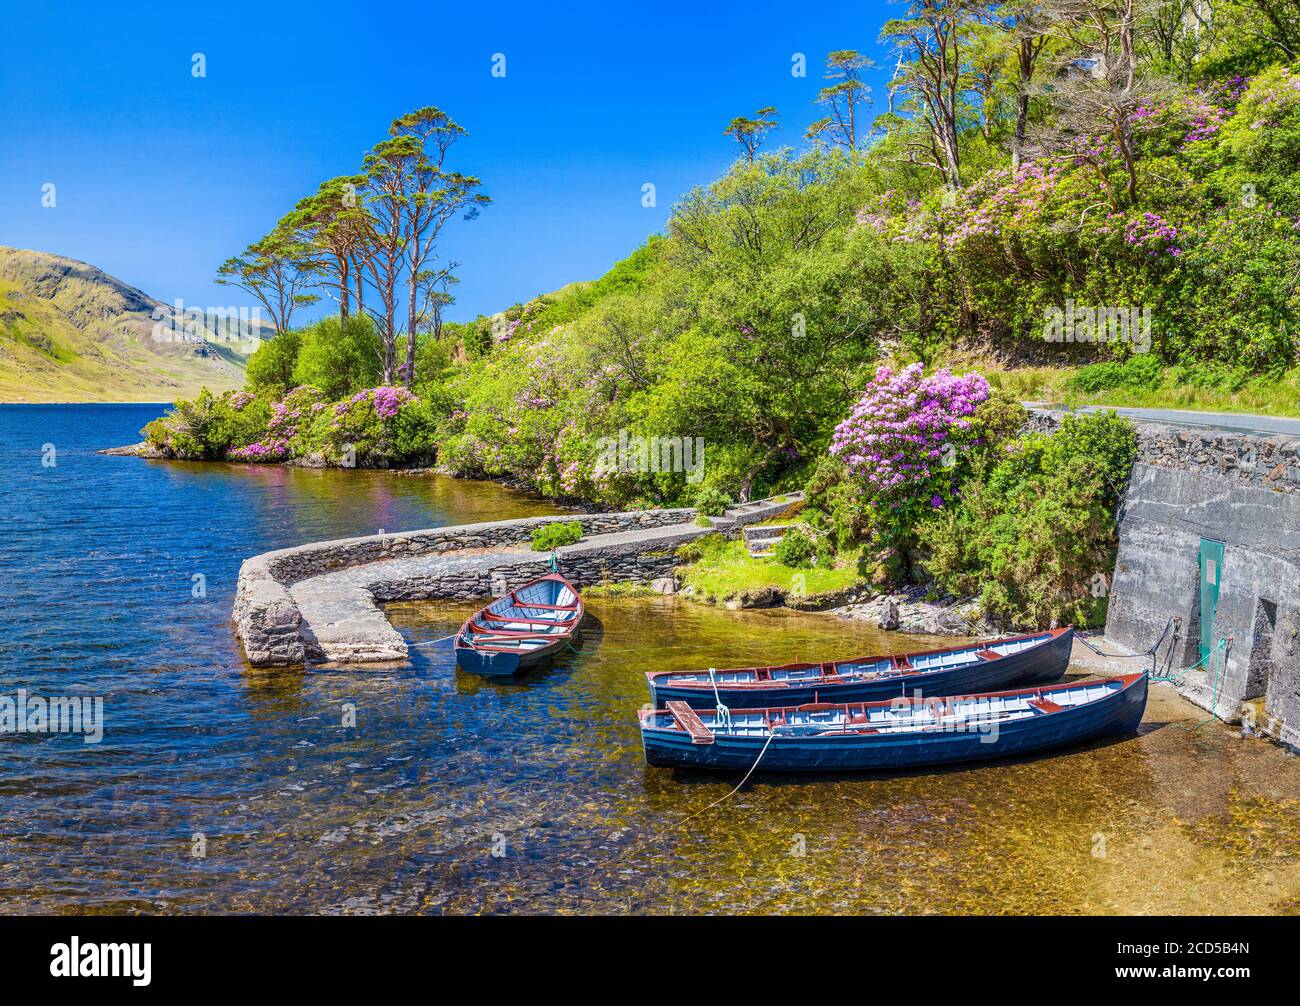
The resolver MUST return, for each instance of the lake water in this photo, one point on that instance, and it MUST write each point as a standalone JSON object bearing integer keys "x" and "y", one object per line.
{"x": 452, "y": 794}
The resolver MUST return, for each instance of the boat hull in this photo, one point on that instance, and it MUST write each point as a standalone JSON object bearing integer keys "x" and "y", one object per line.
{"x": 1114, "y": 715}
{"x": 498, "y": 664}
{"x": 1040, "y": 665}
{"x": 527, "y": 627}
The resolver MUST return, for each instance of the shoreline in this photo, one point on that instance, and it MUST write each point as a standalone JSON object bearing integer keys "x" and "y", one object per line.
{"x": 902, "y": 610}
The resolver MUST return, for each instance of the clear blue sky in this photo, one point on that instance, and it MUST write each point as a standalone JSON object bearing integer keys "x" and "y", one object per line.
{"x": 161, "y": 176}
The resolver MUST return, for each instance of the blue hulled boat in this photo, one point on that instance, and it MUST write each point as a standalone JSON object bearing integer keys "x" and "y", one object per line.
{"x": 897, "y": 734}
{"x": 522, "y": 629}
{"x": 959, "y": 670}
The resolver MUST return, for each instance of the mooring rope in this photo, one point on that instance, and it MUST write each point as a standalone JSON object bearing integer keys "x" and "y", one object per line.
{"x": 1177, "y": 676}
{"x": 742, "y": 782}
{"x": 1149, "y": 652}
{"x": 723, "y": 713}
{"x": 430, "y": 642}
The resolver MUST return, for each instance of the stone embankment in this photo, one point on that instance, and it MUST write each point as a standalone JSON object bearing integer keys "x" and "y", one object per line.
{"x": 321, "y": 601}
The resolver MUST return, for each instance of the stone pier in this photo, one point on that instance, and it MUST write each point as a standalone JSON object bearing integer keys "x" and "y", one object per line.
{"x": 321, "y": 602}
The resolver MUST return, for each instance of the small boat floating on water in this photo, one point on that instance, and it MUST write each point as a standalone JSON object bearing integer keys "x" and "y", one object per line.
{"x": 903, "y": 732}
{"x": 1034, "y": 659}
{"x": 522, "y": 629}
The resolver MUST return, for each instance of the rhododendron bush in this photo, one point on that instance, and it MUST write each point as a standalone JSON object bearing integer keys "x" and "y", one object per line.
{"x": 903, "y": 436}
{"x": 375, "y": 427}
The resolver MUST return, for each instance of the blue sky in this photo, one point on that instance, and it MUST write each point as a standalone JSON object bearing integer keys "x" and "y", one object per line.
{"x": 161, "y": 176}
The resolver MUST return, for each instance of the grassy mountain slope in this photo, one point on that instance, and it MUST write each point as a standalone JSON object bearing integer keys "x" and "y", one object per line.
{"x": 72, "y": 333}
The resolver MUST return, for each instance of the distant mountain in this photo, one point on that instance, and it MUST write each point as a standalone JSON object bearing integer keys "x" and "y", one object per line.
{"x": 72, "y": 333}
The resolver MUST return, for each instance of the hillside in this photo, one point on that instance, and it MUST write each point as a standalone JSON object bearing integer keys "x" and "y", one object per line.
{"x": 72, "y": 333}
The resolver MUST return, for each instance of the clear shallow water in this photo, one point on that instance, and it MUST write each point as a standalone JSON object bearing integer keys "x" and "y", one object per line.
{"x": 403, "y": 811}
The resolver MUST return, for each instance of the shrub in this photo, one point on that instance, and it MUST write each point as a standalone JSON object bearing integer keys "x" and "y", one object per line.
{"x": 339, "y": 357}
{"x": 1137, "y": 373}
{"x": 553, "y": 535}
{"x": 896, "y": 437}
{"x": 711, "y": 502}
{"x": 381, "y": 426}
{"x": 284, "y": 436}
{"x": 795, "y": 550}
{"x": 209, "y": 428}
{"x": 270, "y": 368}
{"x": 1031, "y": 540}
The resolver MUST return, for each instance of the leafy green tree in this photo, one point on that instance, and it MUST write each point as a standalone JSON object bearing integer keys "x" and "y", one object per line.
{"x": 340, "y": 356}
{"x": 330, "y": 227}
{"x": 750, "y": 133}
{"x": 271, "y": 367}
{"x": 847, "y": 100}
{"x": 277, "y": 270}
{"x": 432, "y": 196}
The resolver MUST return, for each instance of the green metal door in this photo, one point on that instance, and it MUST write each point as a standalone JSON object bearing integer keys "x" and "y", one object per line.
{"x": 1211, "y": 572}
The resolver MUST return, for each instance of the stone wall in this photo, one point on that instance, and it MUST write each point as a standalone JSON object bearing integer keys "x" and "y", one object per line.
{"x": 1239, "y": 489}
{"x": 270, "y": 625}
{"x": 290, "y": 565}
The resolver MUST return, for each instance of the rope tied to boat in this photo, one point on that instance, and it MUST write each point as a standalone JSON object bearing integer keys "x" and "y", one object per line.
{"x": 1148, "y": 652}
{"x": 723, "y": 713}
{"x": 431, "y": 642}
{"x": 702, "y": 810}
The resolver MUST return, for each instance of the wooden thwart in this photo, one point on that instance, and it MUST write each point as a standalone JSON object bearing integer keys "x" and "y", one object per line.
{"x": 690, "y": 721}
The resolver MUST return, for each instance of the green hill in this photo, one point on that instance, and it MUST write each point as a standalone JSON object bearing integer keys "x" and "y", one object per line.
{"x": 72, "y": 333}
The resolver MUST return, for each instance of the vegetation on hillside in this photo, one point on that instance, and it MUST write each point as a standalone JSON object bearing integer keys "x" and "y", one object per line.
{"x": 1097, "y": 185}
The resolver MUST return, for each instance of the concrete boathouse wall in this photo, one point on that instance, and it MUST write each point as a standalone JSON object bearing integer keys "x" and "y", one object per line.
{"x": 1240, "y": 492}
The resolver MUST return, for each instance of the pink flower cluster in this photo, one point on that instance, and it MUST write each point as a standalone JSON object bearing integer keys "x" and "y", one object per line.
{"x": 280, "y": 431}
{"x": 895, "y": 435}
{"x": 1151, "y": 233}
{"x": 387, "y": 401}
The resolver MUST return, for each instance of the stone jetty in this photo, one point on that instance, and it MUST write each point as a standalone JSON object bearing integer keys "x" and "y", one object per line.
{"x": 321, "y": 602}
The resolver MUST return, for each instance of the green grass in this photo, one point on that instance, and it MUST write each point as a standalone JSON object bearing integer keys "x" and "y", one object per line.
{"x": 725, "y": 569}
{"x": 1206, "y": 388}
{"x": 619, "y": 590}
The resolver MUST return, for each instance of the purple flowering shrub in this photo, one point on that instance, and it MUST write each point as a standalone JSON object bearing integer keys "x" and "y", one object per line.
{"x": 1217, "y": 168}
{"x": 903, "y": 437}
{"x": 381, "y": 426}
{"x": 280, "y": 439}
{"x": 209, "y": 427}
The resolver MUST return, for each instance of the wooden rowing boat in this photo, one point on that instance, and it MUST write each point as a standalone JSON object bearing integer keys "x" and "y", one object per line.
{"x": 1034, "y": 659}
{"x": 899, "y": 733}
{"x": 522, "y": 629}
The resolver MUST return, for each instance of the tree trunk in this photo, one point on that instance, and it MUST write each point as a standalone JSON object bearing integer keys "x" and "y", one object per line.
{"x": 410, "y": 330}
{"x": 343, "y": 288}
{"x": 1022, "y": 118}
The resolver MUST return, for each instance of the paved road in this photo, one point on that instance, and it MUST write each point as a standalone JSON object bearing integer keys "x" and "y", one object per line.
{"x": 1232, "y": 422}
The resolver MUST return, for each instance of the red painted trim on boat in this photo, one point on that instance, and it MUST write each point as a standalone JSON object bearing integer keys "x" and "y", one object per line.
{"x": 898, "y": 661}
{"x": 1127, "y": 681}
